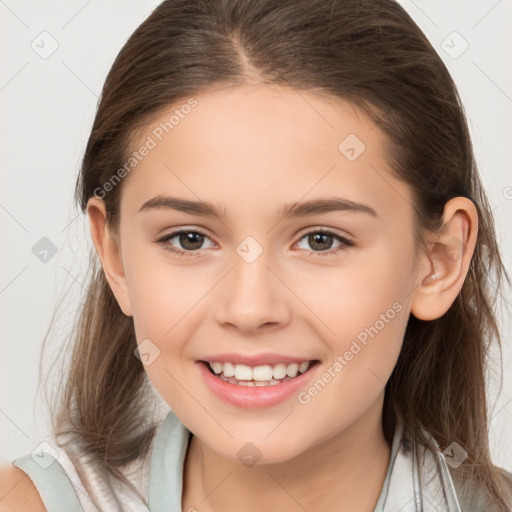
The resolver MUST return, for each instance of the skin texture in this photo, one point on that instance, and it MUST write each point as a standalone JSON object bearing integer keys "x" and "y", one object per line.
{"x": 250, "y": 150}
{"x": 17, "y": 491}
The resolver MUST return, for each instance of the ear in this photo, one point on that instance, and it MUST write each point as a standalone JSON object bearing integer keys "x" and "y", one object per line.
{"x": 108, "y": 248}
{"x": 446, "y": 264}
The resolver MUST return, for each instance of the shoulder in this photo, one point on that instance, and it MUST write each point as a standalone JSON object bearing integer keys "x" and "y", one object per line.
{"x": 17, "y": 491}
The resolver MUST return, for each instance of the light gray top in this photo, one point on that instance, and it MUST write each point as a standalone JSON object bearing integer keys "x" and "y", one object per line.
{"x": 69, "y": 483}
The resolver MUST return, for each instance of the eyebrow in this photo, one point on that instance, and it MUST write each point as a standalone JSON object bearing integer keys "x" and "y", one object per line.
{"x": 308, "y": 208}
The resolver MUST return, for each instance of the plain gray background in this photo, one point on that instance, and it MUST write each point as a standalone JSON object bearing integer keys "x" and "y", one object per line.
{"x": 55, "y": 56}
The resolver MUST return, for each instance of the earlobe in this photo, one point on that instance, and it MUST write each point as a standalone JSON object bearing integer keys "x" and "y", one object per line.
{"x": 446, "y": 264}
{"x": 108, "y": 249}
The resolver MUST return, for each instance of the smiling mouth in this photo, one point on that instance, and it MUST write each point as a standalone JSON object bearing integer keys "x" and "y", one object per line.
{"x": 259, "y": 376}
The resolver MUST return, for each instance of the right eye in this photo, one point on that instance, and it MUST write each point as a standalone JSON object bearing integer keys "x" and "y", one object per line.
{"x": 190, "y": 240}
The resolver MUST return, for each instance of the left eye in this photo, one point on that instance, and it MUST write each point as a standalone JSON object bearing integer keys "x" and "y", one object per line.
{"x": 319, "y": 240}
{"x": 192, "y": 241}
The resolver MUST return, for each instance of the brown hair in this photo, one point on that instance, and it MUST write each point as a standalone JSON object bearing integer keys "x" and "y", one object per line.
{"x": 371, "y": 53}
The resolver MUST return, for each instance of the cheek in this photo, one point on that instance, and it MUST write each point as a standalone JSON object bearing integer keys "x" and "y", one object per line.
{"x": 366, "y": 292}
{"x": 163, "y": 298}
{"x": 166, "y": 299}
{"x": 161, "y": 293}
{"x": 369, "y": 329}
{"x": 363, "y": 309}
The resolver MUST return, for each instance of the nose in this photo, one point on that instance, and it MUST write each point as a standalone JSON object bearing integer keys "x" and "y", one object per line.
{"x": 252, "y": 297}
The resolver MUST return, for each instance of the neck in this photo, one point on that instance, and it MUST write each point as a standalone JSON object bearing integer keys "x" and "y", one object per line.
{"x": 344, "y": 472}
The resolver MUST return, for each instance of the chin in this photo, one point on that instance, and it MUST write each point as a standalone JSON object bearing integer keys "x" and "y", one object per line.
{"x": 257, "y": 452}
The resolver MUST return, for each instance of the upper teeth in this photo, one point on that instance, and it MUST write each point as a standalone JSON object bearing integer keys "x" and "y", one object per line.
{"x": 259, "y": 373}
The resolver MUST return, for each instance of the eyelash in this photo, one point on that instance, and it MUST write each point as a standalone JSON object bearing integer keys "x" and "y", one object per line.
{"x": 343, "y": 247}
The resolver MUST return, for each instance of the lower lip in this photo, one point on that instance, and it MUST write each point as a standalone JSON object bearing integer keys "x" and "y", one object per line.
{"x": 254, "y": 397}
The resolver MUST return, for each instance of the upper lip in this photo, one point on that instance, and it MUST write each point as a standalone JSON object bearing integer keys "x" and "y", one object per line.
{"x": 256, "y": 360}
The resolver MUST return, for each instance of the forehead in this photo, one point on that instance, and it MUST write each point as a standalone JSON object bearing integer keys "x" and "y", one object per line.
{"x": 257, "y": 147}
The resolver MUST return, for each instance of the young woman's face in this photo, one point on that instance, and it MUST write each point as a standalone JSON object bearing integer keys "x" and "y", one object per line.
{"x": 325, "y": 284}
